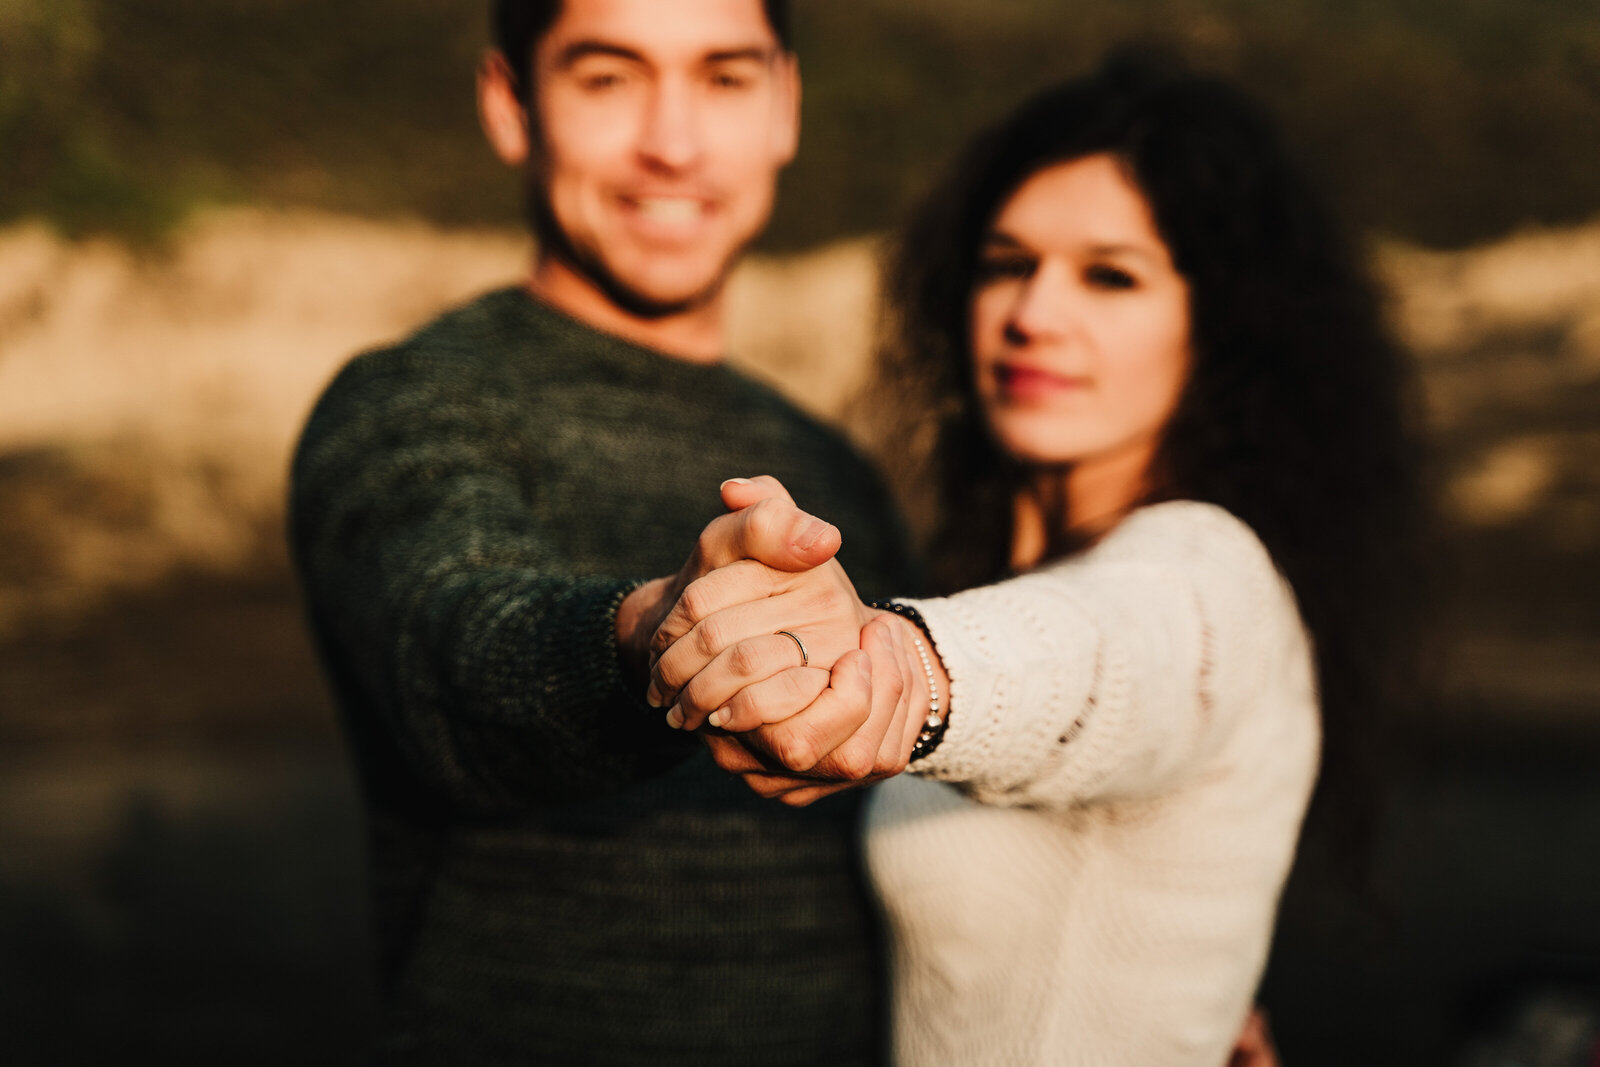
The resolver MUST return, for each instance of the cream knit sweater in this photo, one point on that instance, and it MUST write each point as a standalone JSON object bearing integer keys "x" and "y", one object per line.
{"x": 1133, "y": 742}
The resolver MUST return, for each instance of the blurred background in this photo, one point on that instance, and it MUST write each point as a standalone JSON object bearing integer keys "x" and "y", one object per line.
{"x": 206, "y": 206}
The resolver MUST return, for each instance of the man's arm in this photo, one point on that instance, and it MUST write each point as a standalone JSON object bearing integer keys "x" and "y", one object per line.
{"x": 458, "y": 634}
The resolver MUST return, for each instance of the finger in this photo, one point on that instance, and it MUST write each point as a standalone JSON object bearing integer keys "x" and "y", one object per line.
{"x": 741, "y": 582}
{"x": 799, "y": 798}
{"x": 730, "y": 753}
{"x": 737, "y": 668}
{"x": 742, "y": 492}
{"x": 880, "y": 639}
{"x": 795, "y": 792}
{"x": 760, "y": 663}
{"x": 734, "y": 648}
{"x": 773, "y": 531}
{"x": 918, "y": 695}
{"x": 816, "y": 616}
{"x": 774, "y": 699}
{"x": 826, "y": 738}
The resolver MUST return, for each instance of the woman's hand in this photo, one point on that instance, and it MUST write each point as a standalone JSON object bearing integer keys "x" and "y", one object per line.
{"x": 723, "y": 652}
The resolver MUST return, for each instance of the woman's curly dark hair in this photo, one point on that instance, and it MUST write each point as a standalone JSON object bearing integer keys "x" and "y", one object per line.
{"x": 1298, "y": 416}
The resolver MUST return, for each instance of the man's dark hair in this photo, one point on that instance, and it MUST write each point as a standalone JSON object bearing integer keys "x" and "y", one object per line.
{"x": 518, "y": 25}
{"x": 1298, "y": 414}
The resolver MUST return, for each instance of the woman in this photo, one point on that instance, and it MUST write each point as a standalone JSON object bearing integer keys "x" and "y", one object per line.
{"x": 1172, "y": 435}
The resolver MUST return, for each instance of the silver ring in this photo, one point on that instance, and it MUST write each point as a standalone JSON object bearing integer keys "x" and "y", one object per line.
{"x": 805, "y": 660}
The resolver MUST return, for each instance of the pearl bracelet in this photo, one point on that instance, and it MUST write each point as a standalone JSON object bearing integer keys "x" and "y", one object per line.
{"x": 932, "y": 727}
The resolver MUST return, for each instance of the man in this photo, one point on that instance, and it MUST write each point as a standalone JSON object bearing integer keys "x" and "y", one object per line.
{"x": 558, "y": 876}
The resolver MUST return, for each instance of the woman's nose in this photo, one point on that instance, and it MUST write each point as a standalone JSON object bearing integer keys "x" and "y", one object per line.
{"x": 1045, "y": 306}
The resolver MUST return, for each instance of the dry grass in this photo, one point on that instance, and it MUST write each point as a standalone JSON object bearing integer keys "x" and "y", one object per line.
{"x": 148, "y": 402}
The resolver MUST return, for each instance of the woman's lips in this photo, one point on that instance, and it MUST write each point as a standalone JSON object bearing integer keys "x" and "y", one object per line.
{"x": 1019, "y": 381}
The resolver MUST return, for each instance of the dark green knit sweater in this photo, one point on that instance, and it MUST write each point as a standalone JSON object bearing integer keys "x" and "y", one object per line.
{"x": 558, "y": 877}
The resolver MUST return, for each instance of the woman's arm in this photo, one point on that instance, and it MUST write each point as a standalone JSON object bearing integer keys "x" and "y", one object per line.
{"x": 1111, "y": 674}
{"x": 1119, "y": 671}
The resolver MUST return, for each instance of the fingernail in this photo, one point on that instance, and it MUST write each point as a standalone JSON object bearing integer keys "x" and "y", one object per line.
{"x": 734, "y": 481}
{"x": 810, "y": 535}
{"x": 652, "y": 696}
{"x": 720, "y": 717}
{"x": 864, "y": 665}
{"x": 675, "y": 717}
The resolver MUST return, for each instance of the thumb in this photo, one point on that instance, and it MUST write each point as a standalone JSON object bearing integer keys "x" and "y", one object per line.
{"x": 742, "y": 492}
{"x": 775, "y": 532}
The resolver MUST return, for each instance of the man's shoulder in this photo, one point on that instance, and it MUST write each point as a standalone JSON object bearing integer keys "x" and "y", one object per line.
{"x": 484, "y": 330}
{"x": 496, "y": 333}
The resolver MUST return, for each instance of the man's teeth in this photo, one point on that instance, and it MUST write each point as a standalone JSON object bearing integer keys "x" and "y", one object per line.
{"x": 669, "y": 208}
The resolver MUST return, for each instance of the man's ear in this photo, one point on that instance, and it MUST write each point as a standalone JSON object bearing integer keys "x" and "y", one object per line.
{"x": 500, "y": 110}
{"x": 786, "y": 135}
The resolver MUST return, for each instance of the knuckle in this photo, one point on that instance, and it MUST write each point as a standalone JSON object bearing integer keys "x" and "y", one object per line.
{"x": 744, "y": 659}
{"x": 705, "y": 547}
{"x": 794, "y": 750}
{"x": 710, "y": 637}
{"x": 693, "y": 697}
{"x": 856, "y": 761}
{"x": 668, "y": 672}
{"x": 748, "y": 706}
{"x": 694, "y": 604}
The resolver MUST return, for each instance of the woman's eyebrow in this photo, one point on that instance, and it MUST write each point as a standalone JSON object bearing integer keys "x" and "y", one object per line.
{"x": 1122, "y": 250}
{"x": 1001, "y": 239}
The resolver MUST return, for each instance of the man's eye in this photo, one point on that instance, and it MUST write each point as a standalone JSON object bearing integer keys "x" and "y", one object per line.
{"x": 600, "y": 80}
{"x": 1103, "y": 277}
{"x": 732, "y": 78}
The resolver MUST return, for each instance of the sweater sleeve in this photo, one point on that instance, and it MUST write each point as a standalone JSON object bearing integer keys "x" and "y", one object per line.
{"x": 459, "y": 638}
{"x": 1117, "y": 673}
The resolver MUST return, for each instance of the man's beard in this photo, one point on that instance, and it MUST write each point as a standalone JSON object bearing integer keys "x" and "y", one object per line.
{"x": 553, "y": 241}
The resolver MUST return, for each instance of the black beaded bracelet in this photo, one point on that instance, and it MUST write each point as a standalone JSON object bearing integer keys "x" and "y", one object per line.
{"x": 933, "y": 726}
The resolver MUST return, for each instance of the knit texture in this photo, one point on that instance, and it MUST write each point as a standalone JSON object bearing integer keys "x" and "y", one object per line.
{"x": 557, "y": 876}
{"x": 1131, "y": 748}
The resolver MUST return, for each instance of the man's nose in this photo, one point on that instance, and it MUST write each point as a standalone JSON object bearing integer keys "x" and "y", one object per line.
{"x": 670, "y": 139}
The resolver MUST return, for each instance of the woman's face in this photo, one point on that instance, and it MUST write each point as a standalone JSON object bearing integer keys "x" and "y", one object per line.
{"x": 1080, "y": 322}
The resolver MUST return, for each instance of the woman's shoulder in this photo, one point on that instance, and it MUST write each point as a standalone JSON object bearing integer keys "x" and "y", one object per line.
{"x": 1198, "y": 546}
{"x": 1186, "y": 531}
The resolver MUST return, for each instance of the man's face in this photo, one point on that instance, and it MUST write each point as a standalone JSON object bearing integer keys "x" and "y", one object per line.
{"x": 659, "y": 130}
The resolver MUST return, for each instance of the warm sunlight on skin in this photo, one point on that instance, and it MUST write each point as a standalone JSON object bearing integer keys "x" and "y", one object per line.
{"x": 660, "y": 132}
{"x": 1080, "y": 333}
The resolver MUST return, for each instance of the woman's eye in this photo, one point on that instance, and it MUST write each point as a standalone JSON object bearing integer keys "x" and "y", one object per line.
{"x": 1103, "y": 277}
{"x": 1004, "y": 267}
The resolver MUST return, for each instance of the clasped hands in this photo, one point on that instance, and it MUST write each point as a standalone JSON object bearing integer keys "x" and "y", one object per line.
{"x": 717, "y": 663}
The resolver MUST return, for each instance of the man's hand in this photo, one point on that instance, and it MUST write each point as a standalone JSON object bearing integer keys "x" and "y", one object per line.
{"x": 752, "y": 619}
{"x": 818, "y": 751}
{"x": 774, "y": 531}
